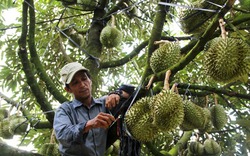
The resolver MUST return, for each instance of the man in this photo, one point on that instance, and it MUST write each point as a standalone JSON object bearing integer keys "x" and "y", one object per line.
{"x": 81, "y": 124}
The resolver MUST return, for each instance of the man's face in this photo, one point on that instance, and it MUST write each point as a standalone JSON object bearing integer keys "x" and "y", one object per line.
{"x": 80, "y": 86}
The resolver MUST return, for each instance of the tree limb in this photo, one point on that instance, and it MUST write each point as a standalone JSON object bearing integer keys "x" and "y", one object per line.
{"x": 27, "y": 68}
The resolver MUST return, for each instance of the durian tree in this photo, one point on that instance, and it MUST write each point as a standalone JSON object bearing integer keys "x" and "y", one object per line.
{"x": 118, "y": 40}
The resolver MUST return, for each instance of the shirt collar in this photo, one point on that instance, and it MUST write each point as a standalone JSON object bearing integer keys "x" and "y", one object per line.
{"x": 77, "y": 103}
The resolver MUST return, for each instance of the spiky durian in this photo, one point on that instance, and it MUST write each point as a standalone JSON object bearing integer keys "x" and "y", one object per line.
{"x": 211, "y": 147}
{"x": 165, "y": 56}
{"x": 18, "y": 125}
{"x": 195, "y": 21}
{"x": 88, "y": 5}
{"x": 186, "y": 125}
{"x": 194, "y": 115}
{"x": 3, "y": 113}
{"x": 218, "y": 116}
{"x": 144, "y": 130}
{"x": 227, "y": 60}
{"x": 208, "y": 123}
{"x": 195, "y": 147}
{"x": 189, "y": 18}
{"x": 139, "y": 120}
{"x": 139, "y": 108}
{"x": 4, "y": 129}
{"x": 49, "y": 149}
{"x": 110, "y": 36}
{"x": 168, "y": 110}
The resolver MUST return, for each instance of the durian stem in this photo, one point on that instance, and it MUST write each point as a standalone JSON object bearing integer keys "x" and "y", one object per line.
{"x": 150, "y": 82}
{"x": 174, "y": 88}
{"x": 166, "y": 80}
{"x": 197, "y": 136}
{"x": 215, "y": 100}
{"x": 207, "y": 136}
{"x": 161, "y": 42}
{"x": 222, "y": 28}
{"x": 112, "y": 21}
{"x": 206, "y": 101}
{"x": 52, "y": 139}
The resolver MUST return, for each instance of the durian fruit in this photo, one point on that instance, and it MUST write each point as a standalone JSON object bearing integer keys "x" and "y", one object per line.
{"x": 18, "y": 125}
{"x": 165, "y": 56}
{"x": 218, "y": 116}
{"x": 186, "y": 125}
{"x": 196, "y": 148}
{"x": 144, "y": 130}
{"x": 110, "y": 36}
{"x": 194, "y": 116}
{"x": 208, "y": 123}
{"x": 211, "y": 147}
{"x": 168, "y": 112}
{"x": 3, "y": 113}
{"x": 139, "y": 108}
{"x": 195, "y": 21}
{"x": 138, "y": 120}
{"x": 49, "y": 149}
{"x": 88, "y": 5}
{"x": 227, "y": 59}
{"x": 4, "y": 129}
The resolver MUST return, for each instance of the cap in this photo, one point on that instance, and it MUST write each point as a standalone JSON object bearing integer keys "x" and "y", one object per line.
{"x": 69, "y": 70}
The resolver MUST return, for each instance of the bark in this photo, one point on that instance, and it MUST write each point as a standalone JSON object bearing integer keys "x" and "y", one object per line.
{"x": 7, "y": 150}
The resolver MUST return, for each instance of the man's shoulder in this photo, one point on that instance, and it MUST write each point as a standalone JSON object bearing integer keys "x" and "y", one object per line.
{"x": 65, "y": 105}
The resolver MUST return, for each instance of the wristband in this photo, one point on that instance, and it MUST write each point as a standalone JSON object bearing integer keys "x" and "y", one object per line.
{"x": 117, "y": 92}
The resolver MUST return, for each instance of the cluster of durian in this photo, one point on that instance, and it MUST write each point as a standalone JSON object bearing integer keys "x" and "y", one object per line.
{"x": 139, "y": 120}
{"x": 227, "y": 59}
{"x": 12, "y": 125}
{"x": 49, "y": 149}
{"x": 195, "y": 117}
{"x": 165, "y": 56}
{"x": 209, "y": 147}
{"x": 113, "y": 150}
{"x": 218, "y": 116}
{"x": 195, "y": 21}
{"x": 203, "y": 119}
{"x": 3, "y": 113}
{"x": 168, "y": 111}
{"x": 150, "y": 115}
{"x": 88, "y": 5}
{"x": 111, "y": 36}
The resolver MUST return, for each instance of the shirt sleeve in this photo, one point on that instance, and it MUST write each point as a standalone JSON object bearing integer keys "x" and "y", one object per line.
{"x": 66, "y": 131}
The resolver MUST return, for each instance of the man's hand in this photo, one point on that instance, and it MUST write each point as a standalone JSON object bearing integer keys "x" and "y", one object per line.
{"x": 102, "y": 120}
{"x": 112, "y": 100}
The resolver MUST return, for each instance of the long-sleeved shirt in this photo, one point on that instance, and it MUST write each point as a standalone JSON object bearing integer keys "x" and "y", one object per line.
{"x": 69, "y": 122}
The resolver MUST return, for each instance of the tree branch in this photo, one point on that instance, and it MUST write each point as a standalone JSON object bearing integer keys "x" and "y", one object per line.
{"x": 125, "y": 59}
{"x": 36, "y": 61}
{"x": 9, "y": 150}
{"x": 27, "y": 68}
{"x": 215, "y": 90}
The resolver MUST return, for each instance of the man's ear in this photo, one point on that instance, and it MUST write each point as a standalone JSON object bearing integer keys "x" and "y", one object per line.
{"x": 68, "y": 89}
